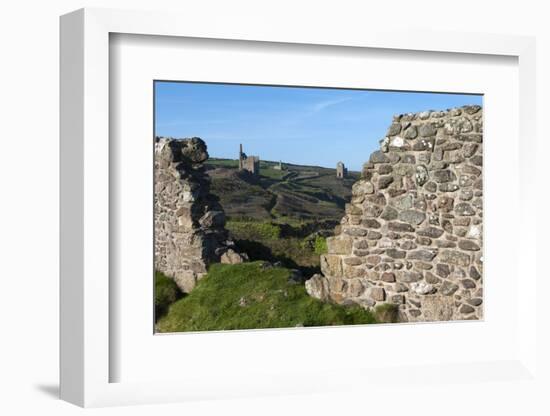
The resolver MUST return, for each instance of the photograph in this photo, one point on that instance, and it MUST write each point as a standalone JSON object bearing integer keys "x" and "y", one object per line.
{"x": 292, "y": 207}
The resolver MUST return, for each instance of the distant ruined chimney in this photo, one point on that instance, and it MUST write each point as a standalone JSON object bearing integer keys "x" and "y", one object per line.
{"x": 341, "y": 170}
{"x": 240, "y": 156}
{"x": 248, "y": 163}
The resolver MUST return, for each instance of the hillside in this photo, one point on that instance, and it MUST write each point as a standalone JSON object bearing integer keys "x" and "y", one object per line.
{"x": 296, "y": 194}
{"x": 281, "y": 215}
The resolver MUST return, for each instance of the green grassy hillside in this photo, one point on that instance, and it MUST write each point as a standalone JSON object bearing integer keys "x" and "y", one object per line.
{"x": 251, "y": 295}
{"x": 305, "y": 193}
{"x": 240, "y": 194}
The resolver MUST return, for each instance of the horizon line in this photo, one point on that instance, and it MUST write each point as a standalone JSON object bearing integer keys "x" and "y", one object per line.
{"x": 283, "y": 162}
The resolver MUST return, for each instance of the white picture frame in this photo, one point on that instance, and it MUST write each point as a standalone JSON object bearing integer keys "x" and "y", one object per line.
{"x": 86, "y": 264}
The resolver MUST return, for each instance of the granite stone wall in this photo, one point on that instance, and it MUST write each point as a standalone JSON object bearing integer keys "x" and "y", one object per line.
{"x": 412, "y": 234}
{"x": 189, "y": 221}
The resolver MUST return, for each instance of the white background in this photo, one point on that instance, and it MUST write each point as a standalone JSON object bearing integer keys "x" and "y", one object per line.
{"x": 29, "y": 208}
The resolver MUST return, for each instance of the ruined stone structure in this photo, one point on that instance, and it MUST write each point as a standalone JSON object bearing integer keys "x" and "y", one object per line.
{"x": 249, "y": 163}
{"x": 341, "y": 171}
{"x": 279, "y": 166}
{"x": 189, "y": 221}
{"x": 412, "y": 233}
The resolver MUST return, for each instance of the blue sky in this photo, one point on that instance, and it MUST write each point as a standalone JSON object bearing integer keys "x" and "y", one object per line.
{"x": 310, "y": 126}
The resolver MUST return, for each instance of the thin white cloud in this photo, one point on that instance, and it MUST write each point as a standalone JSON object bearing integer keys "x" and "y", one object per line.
{"x": 321, "y": 105}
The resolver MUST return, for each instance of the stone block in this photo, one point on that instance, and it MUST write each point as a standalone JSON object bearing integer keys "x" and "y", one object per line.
{"x": 371, "y": 223}
{"x": 339, "y": 245}
{"x": 448, "y": 288}
{"x": 432, "y": 232}
{"x": 331, "y": 265}
{"x": 400, "y": 227}
{"x": 317, "y": 287}
{"x": 438, "y": 308}
{"x": 468, "y": 245}
{"x": 186, "y": 280}
{"x": 376, "y": 293}
{"x": 388, "y": 277}
{"x": 454, "y": 257}
{"x": 355, "y": 288}
{"x": 412, "y": 217}
{"x": 353, "y": 261}
{"x": 410, "y": 276}
{"x": 424, "y": 255}
{"x": 396, "y": 254}
{"x": 336, "y": 285}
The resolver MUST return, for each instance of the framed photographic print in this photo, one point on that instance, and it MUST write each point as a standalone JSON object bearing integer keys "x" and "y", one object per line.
{"x": 285, "y": 213}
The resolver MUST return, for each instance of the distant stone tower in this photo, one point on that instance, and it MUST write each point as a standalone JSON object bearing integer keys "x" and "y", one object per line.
{"x": 341, "y": 171}
{"x": 242, "y": 156}
{"x": 279, "y": 166}
{"x": 248, "y": 163}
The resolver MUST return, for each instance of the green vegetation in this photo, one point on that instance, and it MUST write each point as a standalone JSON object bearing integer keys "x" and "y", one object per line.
{"x": 272, "y": 173}
{"x": 166, "y": 293}
{"x": 248, "y": 296}
{"x": 255, "y": 230}
{"x": 320, "y": 245}
{"x": 222, "y": 163}
{"x": 277, "y": 242}
{"x": 290, "y": 221}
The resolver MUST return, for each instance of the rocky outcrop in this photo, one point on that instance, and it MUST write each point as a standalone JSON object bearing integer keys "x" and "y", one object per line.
{"x": 189, "y": 221}
{"x": 412, "y": 233}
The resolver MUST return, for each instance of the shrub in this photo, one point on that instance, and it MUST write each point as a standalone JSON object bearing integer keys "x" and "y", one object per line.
{"x": 166, "y": 293}
{"x": 254, "y": 230}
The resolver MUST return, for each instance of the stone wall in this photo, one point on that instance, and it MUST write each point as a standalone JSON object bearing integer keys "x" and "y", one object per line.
{"x": 189, "y": 221}
{"x": 412, "y": 233}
